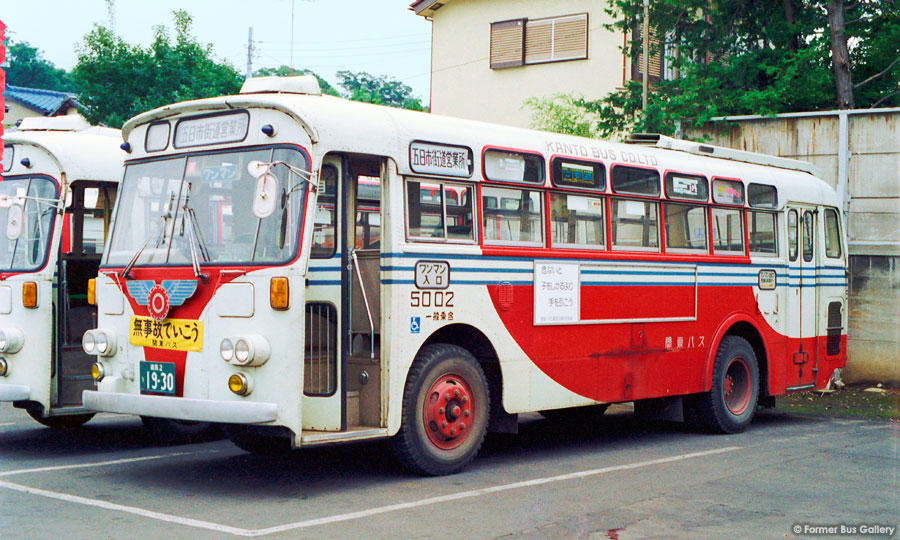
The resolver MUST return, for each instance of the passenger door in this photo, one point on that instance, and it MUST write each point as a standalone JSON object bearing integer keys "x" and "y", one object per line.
{"x": 802, "y": 309}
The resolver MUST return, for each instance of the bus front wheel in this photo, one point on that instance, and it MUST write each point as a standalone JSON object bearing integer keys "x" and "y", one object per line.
{"x": 445, "y": 411}
{"x": 729, "y": 405}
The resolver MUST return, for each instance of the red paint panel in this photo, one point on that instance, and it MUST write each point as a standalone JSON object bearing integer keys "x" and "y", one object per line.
{"x": 604, "y": 302}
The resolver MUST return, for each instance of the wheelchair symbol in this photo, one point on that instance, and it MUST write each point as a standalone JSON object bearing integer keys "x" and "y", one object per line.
{"x": 414, "y": 325}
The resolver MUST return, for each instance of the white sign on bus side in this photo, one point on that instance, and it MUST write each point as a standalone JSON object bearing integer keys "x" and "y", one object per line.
{"x": 557, "y": 292}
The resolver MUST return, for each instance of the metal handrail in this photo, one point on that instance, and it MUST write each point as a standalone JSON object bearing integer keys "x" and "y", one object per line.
{"x": 362, "y": 289}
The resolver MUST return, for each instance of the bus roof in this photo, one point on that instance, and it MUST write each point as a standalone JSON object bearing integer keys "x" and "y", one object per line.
{"x": 80, "y": 151}
{"x": 336, "y": 124}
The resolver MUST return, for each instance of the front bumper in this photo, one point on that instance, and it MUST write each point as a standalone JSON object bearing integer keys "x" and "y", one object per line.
{"x": 14, "y": 392}
{"x": 196, "y": 410}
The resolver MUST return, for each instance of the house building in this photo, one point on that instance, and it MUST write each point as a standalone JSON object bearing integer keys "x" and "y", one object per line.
{"x": 21, "y": 102}
{"x": 489, "y": 56}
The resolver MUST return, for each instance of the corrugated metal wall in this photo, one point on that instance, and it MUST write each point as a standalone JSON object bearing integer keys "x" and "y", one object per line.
{"x": 858, "y": 153}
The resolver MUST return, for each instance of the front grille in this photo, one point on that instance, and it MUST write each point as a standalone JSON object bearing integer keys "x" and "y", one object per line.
{"x": 834, "y": 329}
{"x": 320, "y": 350}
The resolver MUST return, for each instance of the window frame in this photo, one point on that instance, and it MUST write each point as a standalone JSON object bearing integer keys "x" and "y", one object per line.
{"x": 712, "y": 191}
{"x": 837, "y": 240}
{"x": 612, "y": 187}
{"x": 750, "y": 250}
{"x": 542, "y": 193}
{"x": 543, "y": 166}
{"x": 758, "y": 184}
{"x": 603, "y": 246}
{"x": 675, "y": 197}
{"x": 705, "y": 250}
{"x": 612, "y": 221}
{"x": 443, "y": 183}
{"x": 556, "y": 173}
{"x": 728, "y": 252}
{"x": 795, "y": 241}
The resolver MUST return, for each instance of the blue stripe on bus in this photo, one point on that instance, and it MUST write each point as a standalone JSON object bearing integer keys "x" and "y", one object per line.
{"x": 323, "y": 282}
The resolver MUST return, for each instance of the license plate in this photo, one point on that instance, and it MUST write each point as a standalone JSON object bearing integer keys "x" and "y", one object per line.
{"x": 158, "y": 378}
{"x": 171, "y": 334}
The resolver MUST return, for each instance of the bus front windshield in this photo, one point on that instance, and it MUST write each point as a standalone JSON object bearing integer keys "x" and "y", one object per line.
{"x": 201, "y": 208}
{"x": 27, "y": 207}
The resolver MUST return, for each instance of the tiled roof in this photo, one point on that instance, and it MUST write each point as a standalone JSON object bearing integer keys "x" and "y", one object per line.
{"x": 46, "y": 102}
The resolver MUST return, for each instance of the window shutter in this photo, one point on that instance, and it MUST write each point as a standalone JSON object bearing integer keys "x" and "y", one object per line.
{"x": 507, "y": 43}
{"x": 655, "y": 70}
{"x": 539, "y": 41}
{"x": 570, "y": 38}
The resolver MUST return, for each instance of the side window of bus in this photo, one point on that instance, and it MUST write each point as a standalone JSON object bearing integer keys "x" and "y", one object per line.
{"x": 762, "y": 233}
{"x": 516, "y": 219}
{"x": 792, "y": 235}
{"x": 685, "y": 226}
{"x": 635, "y": 224}
{"x": 323, "y": 245}
{"x": 808, "y": 227}
{"x": 728, "y": 231}
{"x": 576, "y": 220}
{"x": 439, "y": 211}
{"x": 832, "y": 234}
{"x": 368, "y": 212}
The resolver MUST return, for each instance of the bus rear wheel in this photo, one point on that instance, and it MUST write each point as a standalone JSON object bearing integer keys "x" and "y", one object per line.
{"x": 445, "y": 411}
{"x": 729, "y": 405}
{"x": 63, "y": 423}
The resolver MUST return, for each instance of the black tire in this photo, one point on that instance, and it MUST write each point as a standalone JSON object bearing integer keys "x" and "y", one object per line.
{"x": 171, "y": 430}
{"x": 256, "y": 443}
{"x": 445, "y": 411}
{"x": 729, "y": 405}
{"x": 579, "y": 415}
{"x": 63, "y": 423}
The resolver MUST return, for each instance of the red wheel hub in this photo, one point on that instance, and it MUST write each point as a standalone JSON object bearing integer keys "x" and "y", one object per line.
{"x": 736, "y": 386}
{"x": 448, "y": 412}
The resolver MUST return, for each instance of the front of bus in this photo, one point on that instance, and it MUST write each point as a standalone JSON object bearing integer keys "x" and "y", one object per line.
{"x": 29, "y": 201}
{"x": 205, "y": 262}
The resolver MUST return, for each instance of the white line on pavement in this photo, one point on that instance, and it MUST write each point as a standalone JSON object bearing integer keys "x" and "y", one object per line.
{"x": 102, "y": 463}
{"x": 351, "y": 515}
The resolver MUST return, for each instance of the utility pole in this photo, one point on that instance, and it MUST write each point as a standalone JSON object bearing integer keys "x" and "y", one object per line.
{"x": 250, "y": 51}
{"x": 645, "y": 67}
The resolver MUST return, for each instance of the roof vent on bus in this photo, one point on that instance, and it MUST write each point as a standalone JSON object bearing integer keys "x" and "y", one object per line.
{"x": 301, "y": 84}
{"x": 68, "y": 122}
{"x": 643, "y": 138}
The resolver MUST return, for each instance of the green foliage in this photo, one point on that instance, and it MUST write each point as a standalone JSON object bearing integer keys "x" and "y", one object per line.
{"x": 380, "y": 90}
{"x": 285, "y": 71}
{"x": 25, "y": 67}
{"x": 119, "y": 80}
{"x": 735, "y": 57}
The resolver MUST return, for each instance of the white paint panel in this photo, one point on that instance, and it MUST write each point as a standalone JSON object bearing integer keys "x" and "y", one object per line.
{"x": 109, "y": 296}
{"x": 235, "y": 300}
{"x": 5, "y": 300}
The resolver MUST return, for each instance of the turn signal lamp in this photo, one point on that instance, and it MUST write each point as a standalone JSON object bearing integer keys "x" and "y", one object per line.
{"x": 241, "y": 384}
{"x": 4, "y": 367}
{"x": 92, "y": 292}
{"x": 278, "y": 293}
{"x": 29, "y": 294}
{"x": 97, "y": 372}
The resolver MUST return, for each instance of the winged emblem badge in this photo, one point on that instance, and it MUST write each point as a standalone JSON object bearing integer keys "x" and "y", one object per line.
{"x": 159, "y": 298}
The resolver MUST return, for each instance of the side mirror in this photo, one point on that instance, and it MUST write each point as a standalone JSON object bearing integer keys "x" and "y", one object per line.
{"x": 265, "y": 198}
{"x": 15, "y": 221}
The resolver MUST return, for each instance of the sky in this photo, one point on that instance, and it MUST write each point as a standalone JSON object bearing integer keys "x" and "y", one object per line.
{"x": 381, "y": 37}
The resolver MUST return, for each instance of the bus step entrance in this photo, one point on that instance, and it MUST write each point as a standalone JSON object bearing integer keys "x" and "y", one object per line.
{"x": 364, "y": 382}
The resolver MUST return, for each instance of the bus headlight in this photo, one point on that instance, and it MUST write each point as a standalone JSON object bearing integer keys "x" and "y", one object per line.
{"x": 99, "y": 341}
{"x": 4, "y": 367}
{"x": 241, "y": 384}
{"x": 250, "y": 350}
{"x": 11, "y": 340}
{"x": 97, "y": 372}
{"x": 226, "y": 350}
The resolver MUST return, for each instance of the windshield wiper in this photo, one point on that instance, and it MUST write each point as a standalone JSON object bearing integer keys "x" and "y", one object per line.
{"x": 196, "y": 237}
{"x": 160, "y": 237}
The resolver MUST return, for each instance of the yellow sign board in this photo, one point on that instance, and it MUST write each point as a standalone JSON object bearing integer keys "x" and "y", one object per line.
{"x": 171, "y": 334}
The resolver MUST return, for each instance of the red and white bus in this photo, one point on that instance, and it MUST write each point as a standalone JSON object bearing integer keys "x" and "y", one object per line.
{"x": 387, "y": 273}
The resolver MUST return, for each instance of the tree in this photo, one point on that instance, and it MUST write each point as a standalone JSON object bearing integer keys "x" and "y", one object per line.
{"x": 735, "y": 57}
{"x": 25, "y": 66}
{"x": 119, "y": 80}
{"x": 285, "y": 71}
{"x": 380, "y": 90}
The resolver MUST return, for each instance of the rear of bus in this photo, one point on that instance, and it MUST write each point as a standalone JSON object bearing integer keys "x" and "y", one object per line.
{"x": 59, "y": 185}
